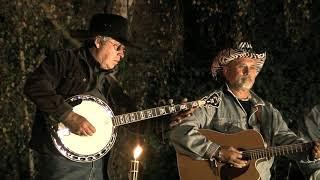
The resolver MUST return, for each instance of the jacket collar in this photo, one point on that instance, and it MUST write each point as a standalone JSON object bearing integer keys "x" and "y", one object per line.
{"x": 255, "y": 99}
{"x": 93, "y": 63}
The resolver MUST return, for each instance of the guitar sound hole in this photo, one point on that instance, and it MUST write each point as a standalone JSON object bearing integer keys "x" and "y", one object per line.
{"x": 228, "y": 172}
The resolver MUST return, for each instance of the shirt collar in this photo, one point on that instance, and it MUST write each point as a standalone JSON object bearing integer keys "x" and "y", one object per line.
{"x": 255, "y": 99}
{"x": 94, "y": 64}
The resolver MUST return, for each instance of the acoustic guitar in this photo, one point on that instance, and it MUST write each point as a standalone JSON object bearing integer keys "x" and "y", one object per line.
{"x": 250, "y": 142}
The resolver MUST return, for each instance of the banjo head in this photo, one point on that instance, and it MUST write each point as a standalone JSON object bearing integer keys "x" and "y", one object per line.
{"x": 86, "y": 148}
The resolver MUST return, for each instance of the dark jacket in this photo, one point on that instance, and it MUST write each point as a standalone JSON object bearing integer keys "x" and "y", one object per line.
{"x": 61, "y": 75}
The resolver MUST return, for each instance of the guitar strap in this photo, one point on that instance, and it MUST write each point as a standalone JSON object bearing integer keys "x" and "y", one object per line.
{"x": 258, "y": 114}
{"x": 259, "y": 122}
{"x": 120, "y": 101}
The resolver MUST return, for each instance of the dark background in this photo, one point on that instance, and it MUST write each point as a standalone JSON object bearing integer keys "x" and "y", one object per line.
{"x": 178, "y": 40}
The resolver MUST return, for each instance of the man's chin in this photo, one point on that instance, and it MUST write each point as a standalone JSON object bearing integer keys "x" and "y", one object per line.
{"x": 244, "y": 86}
{"x": 247, "y": 86}
{"x": 107, "y": 67}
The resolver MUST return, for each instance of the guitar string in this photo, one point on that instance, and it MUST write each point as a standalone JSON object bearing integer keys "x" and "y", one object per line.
{"x": 275, "y": 151}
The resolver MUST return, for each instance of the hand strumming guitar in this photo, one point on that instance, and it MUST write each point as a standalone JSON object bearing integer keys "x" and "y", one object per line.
{"x": 79, "y": 125}
{"x": 231, "y": 156}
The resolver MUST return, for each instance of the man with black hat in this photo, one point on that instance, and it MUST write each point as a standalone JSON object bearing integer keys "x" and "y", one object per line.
{"x": 239, "y": 109}
{"x": 65, "y": 73}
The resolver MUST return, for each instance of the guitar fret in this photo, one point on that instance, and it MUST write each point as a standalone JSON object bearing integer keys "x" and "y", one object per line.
{"x": 132, "y": 116}
{"x": 142, "y": 115}
{"x": 114, "y": 121}
{"x": 136, "y": 115}
{"x": 151, "y": 113}
{"x": 269, "y": 153}
{"x": 172, "y": 109}
{"x": 162, "y": 111}
{"x": 127, "y": 118}
{"x": 118, "y": 120}
{"x": 277, "y": 151}
{"x": 157, "y": 110}
{"x": 122, "y": 119}
{"x": 154, "y": 114}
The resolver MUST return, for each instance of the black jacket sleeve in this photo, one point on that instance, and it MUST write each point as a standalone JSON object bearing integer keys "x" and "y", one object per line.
{"x": 41, "y": 87}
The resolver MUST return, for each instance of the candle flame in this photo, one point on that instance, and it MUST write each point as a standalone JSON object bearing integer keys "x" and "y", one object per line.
{"x": 137, "y": 151}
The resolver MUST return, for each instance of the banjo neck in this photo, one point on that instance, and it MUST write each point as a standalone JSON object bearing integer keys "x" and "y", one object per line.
{"x": 153, "y": 112}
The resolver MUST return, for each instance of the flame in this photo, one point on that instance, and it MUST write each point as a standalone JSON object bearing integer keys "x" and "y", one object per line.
{"x": 137, "y": 151}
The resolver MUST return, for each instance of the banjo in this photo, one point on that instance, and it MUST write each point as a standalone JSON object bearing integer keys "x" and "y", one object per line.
{"x": 99, "y": 114}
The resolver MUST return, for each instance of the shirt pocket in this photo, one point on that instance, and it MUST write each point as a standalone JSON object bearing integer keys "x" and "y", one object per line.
{"x": 224, "y": 124}
{"x": 72, "y": 83}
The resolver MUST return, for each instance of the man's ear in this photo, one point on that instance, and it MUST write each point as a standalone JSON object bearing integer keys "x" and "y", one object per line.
{"x": 97, "y": 43}
{"x": 225, "y": 70}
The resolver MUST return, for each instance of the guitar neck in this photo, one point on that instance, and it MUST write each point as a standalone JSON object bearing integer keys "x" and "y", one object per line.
{"x": 277, "y": 151}
{"x": 152, "y": 113}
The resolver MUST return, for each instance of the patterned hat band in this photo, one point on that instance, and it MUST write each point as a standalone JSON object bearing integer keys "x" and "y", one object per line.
{"x": 244, "y": 50}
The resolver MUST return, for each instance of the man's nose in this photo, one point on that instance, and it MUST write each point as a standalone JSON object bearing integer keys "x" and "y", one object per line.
{"x": 245, "y": 71}
{"x": 121, "y": 54}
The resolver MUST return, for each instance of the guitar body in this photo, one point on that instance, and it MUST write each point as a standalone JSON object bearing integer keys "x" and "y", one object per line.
{"x": 190, "y": 169}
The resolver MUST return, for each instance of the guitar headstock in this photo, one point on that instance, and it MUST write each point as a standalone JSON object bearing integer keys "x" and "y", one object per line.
{"x": 211, "y": 100}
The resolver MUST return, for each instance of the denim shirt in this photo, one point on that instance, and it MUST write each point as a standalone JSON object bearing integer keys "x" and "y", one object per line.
{"x": 230, "y": 117}
{"x": 311, "y": 169}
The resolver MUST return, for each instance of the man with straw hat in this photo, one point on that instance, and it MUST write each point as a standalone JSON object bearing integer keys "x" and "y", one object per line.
{"x": 239, "y": 109}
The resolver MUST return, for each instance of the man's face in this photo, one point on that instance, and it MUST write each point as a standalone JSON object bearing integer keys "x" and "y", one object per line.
{"x": 109, "y": 53}
{"x": 241, "y": 73}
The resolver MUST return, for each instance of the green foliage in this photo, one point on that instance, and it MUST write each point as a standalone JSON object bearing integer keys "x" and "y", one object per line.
{"x": 178, "y": 40}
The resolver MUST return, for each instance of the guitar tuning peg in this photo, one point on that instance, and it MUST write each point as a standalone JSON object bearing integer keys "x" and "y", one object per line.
{"x": 162, "y": 102}
{"x": 184, "y": 100}
{"x": 170, "y": 102}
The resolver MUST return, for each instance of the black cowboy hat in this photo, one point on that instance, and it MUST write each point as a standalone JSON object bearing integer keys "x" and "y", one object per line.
{"x": 110, "y": 25}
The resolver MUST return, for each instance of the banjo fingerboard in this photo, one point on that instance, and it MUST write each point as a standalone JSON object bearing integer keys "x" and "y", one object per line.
{"x": 151, "y": 113}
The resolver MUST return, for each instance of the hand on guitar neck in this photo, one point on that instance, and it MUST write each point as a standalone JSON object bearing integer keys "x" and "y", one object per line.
{"x": 231, "y": 156}
{"x": 234, "y": 157}
{"x": 79, "y": 125}
{"x": 177, "y": 118}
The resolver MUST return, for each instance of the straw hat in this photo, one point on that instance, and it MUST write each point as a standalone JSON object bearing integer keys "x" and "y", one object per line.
{"x": 243, "y": 50}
